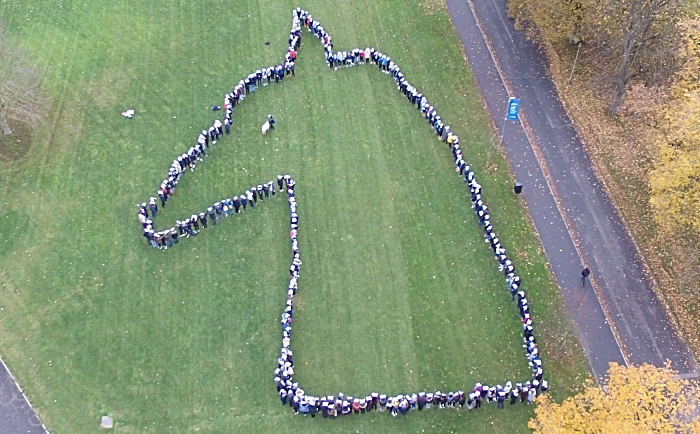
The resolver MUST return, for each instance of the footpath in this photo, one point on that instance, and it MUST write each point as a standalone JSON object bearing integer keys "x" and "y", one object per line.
{"x": 16, "y": 414}
{"x": 618, "y": 315}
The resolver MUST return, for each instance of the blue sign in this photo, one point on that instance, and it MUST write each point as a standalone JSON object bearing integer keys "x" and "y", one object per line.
{"x": 513, "y": 108}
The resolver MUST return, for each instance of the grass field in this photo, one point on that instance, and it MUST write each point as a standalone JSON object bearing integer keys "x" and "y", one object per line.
{"x": 398, "y": 291}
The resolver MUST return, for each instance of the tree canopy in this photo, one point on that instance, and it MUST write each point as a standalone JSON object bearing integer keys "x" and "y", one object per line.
{"x": 631, "y": 39}
{"x": 675, "y": 180}
{"x": 634, "y": 400}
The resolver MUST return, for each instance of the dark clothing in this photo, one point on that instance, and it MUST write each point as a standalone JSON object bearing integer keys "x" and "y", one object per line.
{"x": 584, "y": 274}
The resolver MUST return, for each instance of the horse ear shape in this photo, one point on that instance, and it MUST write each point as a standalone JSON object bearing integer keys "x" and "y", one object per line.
{"x": 285, "y": 371}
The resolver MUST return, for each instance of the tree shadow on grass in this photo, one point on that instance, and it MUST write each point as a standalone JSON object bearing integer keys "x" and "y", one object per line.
{"x": 14, "y": 147}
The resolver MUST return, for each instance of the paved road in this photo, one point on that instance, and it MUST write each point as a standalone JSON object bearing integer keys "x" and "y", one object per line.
{"x": 573, "y": 205}
{"x": 16, "y": 415}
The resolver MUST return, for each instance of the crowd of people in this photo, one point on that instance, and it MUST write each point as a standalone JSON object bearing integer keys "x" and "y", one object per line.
{"x": 289, "y": 391}
{"x": 196, "y": 222}
{"x": 190, "y": 226}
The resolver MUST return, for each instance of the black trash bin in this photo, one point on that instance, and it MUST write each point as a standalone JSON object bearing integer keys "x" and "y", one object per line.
{"x": 518, "y": 188}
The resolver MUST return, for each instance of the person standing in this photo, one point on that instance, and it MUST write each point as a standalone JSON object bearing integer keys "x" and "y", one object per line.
{"x": 218, "y": 131}
{"x": 189, "y": 227}
{"x": 219, "y": 210}
{"x": 158, "y": 240}
{"x": 237, "y": 204}
{"x": 163, "y": 196}
{"x": 144, "y": 209}
{"x": 584, "y": 274}
{"x": 471, "y": 402}
{"x": 382, "y": 402}
{"x": 515, "y": 393}
{"x": 313, "y": 408}
{"x": 174, "y": 234}
{"x": 212, "y": 135}
{"x": 168, "y": 238}
{"x": 304, "y": 406}
{"x": 283, "y": 396}
{"x": 501, "y": 396}
{"x": 421, "y": 401}
{"x": 251, "y": 202}
{"x": 153, "y": 206}
{"x": 531, "y": 395}
{"x": 142, "y": 218}
{"x": 212, "y": 215}
{"x": 280, "y": 180}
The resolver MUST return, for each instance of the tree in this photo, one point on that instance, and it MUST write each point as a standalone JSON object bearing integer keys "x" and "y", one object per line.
{"x": 635, "y": 400}
{"x": 628, "y": 39}
{"x": 20, "y": 87}
{"x": 675, "y": 179}
{"x": 647, "y": 39}
{"x": 554, "y": 20}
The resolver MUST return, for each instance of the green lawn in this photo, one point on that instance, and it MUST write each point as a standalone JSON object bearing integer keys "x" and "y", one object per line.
{"x": 398, "y": 290}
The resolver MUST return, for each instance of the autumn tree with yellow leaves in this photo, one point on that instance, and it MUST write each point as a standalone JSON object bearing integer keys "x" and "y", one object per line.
{"x": 675, "y": 180}
{"x": 635, "y": 400}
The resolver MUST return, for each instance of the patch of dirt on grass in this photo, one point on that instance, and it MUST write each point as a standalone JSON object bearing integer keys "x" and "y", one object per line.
{"x": 105, "y": 89}
{"x": 432, "y": 6}
{"x": 15, "y": 146}
{"x": 491, "y": 168}
{"x": 523, "y": 257}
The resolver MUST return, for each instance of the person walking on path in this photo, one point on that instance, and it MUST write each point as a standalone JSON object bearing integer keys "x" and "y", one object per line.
{"x": 584, "y": 274}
